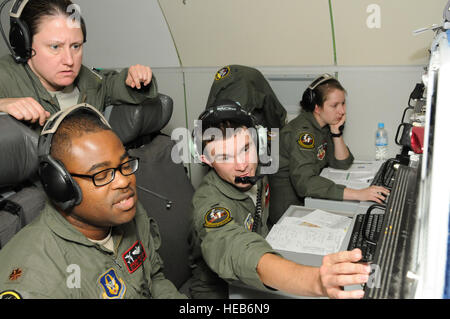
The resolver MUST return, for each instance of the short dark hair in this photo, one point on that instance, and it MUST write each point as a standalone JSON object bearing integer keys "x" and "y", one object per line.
{"x": 73, "y": 126}
{"x": 35, "y": 10}
{"x": 320, "y": 94}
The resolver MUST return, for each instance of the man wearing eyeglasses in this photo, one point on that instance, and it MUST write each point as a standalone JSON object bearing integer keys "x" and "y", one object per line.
{"x": 103, "y": 247}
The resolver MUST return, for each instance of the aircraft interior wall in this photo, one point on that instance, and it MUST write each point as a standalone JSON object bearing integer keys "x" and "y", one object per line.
{"x": 368, "y": 44}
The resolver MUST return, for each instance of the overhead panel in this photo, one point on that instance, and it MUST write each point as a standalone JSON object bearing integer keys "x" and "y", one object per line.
{"x": 123, "y": 33}
{"x": 380, "y": 32}
{"x": 250, "y": 32}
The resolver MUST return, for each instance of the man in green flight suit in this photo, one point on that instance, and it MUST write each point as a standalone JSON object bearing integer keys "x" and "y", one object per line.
{"x": 93, "y": 239}
{"x": 230, "y": 211}
{"x": 46, "y": 74}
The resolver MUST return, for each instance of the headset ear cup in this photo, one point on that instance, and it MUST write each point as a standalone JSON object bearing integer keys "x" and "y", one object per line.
{"x": 19, "y": 38}
{"x": 311, "y": 102}
{"x": 193, "y": 148}
{"x": 59, "y": 185}
{"x": 262, "y": 141}
{"x": 307, "y": 101}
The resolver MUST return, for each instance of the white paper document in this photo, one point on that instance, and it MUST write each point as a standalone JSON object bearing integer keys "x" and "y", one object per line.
{"x": 358, "y": 176}
{"x": 318, "y": 233}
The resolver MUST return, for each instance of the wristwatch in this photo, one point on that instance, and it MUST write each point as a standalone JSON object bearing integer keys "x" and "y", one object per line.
{"x": 336, "y": 135}
{"x": 341, "y": 129}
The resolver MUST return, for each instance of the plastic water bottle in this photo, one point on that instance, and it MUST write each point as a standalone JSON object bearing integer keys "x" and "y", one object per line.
{"x": 381, "y": 143}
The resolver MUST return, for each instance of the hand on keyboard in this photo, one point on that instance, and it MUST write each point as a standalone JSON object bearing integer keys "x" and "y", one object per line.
{"x": 376, "y": 194}
{"x": 342, "y": 269}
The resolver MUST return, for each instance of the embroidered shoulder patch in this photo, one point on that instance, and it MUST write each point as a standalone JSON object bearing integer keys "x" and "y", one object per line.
{"x": 10, "y": 294}
{"x": 217, "y": 217}
{"x": 134, "y": 257}
{"x": 248, "y": 222}
{"x": 306, "y": 140}
{"x": 321, "y": 151}
{"x": 222, "y": 73}
{"x": 113, "y": 286}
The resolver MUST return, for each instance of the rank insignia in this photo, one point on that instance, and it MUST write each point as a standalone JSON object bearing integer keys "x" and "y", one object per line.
{"x": 217, "y": 217}
{"x": 113, "y": 286}
{"x": 306, "y": 140}
{"x": 10, "y": 294}
{"x": 249, "y": 221}
{"x": 15, "y": 274}
{"x": 134, "y": 257}
{"x": 321, "y": 151}
{"x": 222, "y": 73}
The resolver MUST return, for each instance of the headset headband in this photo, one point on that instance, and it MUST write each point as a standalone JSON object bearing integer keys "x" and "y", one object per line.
{"x": 321, "y": 79}
{"x": 17, "y": 8}
{"x": 55, "y": 120}
{"x": 52, "y": 124}
{"x": 226, "y": 110}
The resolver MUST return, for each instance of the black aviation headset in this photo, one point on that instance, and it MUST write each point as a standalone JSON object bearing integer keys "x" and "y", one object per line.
{"x": 222, "y": 111}
{"x": 59, "y": 185}
{"x": 309, "y": 98}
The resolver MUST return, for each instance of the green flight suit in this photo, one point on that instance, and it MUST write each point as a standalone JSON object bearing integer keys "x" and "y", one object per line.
{"x": 305, "y": 149}
{"x": 98, "y": 89}
{"x": 225, "y": 248}
{"x": 49, "y": 258}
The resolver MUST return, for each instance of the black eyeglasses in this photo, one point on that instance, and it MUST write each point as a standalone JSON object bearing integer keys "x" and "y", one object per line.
{"x": 106, "y": 176}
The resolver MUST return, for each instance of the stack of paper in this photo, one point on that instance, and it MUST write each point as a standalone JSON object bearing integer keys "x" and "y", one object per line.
{"x": 318, "y": 233}
{"x": 358, "y": 176}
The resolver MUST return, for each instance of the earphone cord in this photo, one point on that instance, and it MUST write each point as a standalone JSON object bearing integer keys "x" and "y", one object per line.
{"x": 258, "y": 211}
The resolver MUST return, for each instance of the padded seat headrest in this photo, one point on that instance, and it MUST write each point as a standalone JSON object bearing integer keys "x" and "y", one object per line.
{"x": 18, "y": 151}
{"x": 132, "y": 121}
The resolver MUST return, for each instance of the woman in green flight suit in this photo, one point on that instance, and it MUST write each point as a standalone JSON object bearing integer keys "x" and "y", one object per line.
{"x": 48, "y": 76}
{"x": 310, "y": 142}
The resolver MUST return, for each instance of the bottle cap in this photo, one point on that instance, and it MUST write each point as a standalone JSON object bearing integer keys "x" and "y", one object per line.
{"x": 380, "y": 125}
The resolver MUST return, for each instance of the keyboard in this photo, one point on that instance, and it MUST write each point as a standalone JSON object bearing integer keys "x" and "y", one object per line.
{"x": 396, "y": 247}
{"x": 366, "y": 241}
{"x": 386, "y": 174}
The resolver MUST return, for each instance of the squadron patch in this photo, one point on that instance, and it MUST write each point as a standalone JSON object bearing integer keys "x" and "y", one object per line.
{"x": 217, "y": 217}
{"x": 306, "y": 140}
{"x": 321, "y": 151}
{"x": 222, "y": 73}
{"x": 134, "y": 257}
{"x": 10, "y": 294}
{"x": 113, "y": 286}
